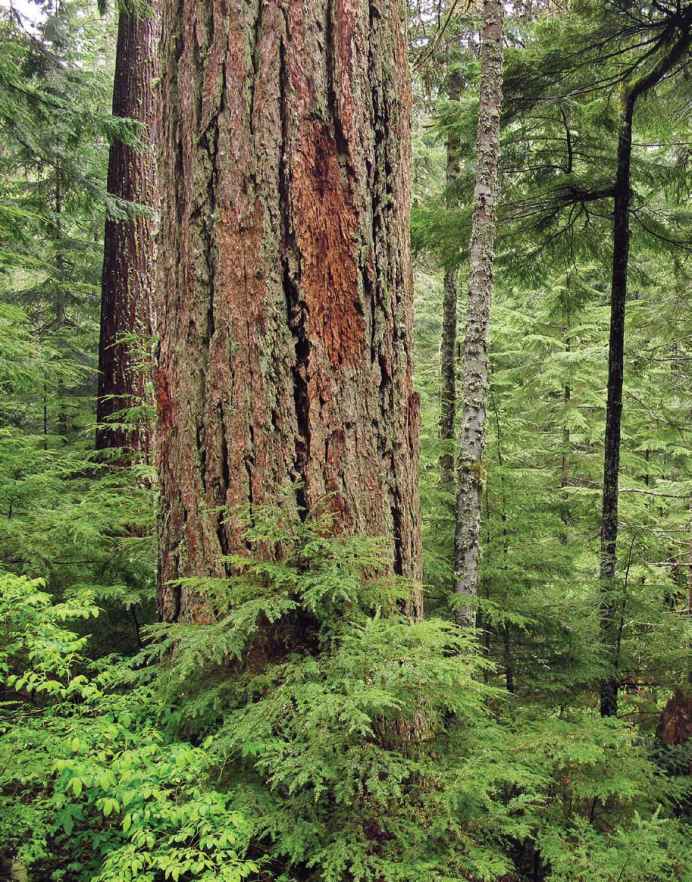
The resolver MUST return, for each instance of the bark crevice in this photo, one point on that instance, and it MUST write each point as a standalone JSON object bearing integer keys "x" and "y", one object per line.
{"x": 291, "y": 214}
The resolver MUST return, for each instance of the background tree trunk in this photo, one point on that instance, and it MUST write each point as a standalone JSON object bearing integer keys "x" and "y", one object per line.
{"x": 448, "y": 342}
{"x": 616, "y": 363}
{"x": 285, "y": 283}
{"x": 610, "y": 599}
{"x": 475, "y": 355}
{"x": 129, "y": 261}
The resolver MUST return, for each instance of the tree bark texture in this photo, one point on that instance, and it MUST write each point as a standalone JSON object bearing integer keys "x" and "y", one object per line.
{"x": 610, "y": 599}
{"x": 448, "y": 342}
{"x": 285, "y": 283}
{"x": 129, "y": 262}
{"x": 475, "y": 353}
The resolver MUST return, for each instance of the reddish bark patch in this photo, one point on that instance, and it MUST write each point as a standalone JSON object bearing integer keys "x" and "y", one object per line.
{"x": 327, "y": 232}
{"x": 164, "y": 403}
{"x": 675, "y": 725}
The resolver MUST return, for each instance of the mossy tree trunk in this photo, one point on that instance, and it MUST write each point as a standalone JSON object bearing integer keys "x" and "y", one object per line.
{"x": 475, "y": 353}
{"x": 285, "y": 306}
{"x": 129, "y": 262}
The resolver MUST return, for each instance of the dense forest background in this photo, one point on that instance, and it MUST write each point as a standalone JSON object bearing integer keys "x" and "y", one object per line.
{"x": 307, "y": 711}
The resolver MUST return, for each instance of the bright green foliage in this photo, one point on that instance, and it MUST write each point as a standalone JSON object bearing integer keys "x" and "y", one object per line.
{"x": 90, "y": 788}
{"x": 647, "y": 852}
{"x": 375, "y": 752}
{"x": 366, "y": 746}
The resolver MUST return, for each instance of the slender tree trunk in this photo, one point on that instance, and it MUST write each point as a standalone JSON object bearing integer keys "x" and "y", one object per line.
{"x": 45, "y": 416}
{"x": 616, "y": 353}
{"x": 507, "y": 657}
{"x": 616, "y": 362}
{"x": 475, "y": 355}
{"x": 129, "y": 261}
{"x": 285, "y": 283}
{"x": 566, "y": 435}
{"x": 60, "y": 305}
{"x": 506, "y": 628}
{"x": 448, "y": 343}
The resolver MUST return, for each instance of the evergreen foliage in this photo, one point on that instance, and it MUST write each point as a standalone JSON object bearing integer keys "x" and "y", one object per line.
{"x": 312, "y": 730}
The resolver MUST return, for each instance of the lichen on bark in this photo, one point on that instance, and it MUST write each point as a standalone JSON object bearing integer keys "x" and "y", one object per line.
{"x": 475, "y": 353}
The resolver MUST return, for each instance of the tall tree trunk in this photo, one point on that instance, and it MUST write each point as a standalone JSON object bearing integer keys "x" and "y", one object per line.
{"x": 129, "y": 261}
{"x": 565, "y": 515}
{"x": 285, "y": 283}
{"x": 616, "y": 363}
{"x": 448, "y": 343}
{"x": 616, "y": 352}
{"x": 60, "y": 300}
{"x": 475, "y": 355}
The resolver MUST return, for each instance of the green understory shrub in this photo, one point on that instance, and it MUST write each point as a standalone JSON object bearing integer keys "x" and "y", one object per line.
{"x": 312, "y": 733}
{"x": 90, "y": 788}
{"x": 367, "y": 746}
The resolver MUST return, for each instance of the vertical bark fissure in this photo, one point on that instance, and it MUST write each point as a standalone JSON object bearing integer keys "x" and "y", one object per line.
{"x": 303, "y": 360}
{"x": 225, "y": 479}
{"x": 332, "y": 100}
{"x": 256, "y": 34}
{"x": 382, "y": 198}
{"x": 296, "y": 309}
{"x": 475, "y": 355}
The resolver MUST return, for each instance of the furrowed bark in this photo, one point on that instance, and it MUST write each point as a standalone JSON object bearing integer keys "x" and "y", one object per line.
{"x": 475, "y": 354}
{"x": 285, "y": 307}
{"x": 129, "y": 261}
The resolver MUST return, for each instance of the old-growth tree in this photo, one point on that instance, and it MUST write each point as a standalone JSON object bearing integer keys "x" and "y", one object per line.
{"x": 475, "y": 354}
{"x": 285, "y": 297}
{"x": 129, "y": 246}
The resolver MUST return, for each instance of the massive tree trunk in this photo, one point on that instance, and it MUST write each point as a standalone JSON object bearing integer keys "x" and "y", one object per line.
{"x": 448, "y": 342}
{"x": 285, "y": 291}
{"x": 475, "y": 355}
{"x": 129, "y": 264}
{"x": 610, "y": 595}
